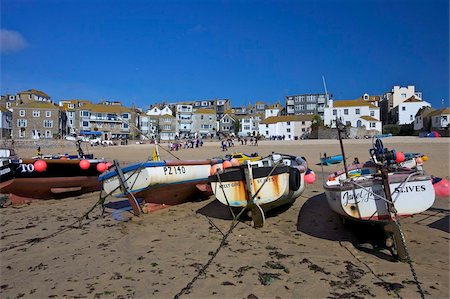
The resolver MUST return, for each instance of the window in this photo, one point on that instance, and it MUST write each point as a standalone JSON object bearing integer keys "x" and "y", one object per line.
{"x": 48, "y": 114}
{"x": 303, "y": 122}
{"x": 345, "y": 111}
{"x": 247, "y": 128}
{"x": 85, "y": 124}
{"x": 8, "y": 105}
{"x": 84, "y": 113}
{"x": 403, "y": 108}
{"x": 288, "y": 130}
{"x": 70, "y": 114}
{"x": 124, "y": 126}
{"x": 36, "y": 113}
{"x": 403, "y": 95}
{"x": 205, "y": 127}
{"x": 372, "y": 113}
{"x": 303, "y": 129}
{"x": 125, "y": 115}
{"x": 111, "y": 125}
{"x": 288, "y": 123}
{"x": 201, "y": 116}
{"x": 334, "y": 112}
{"x": 48, "y": 134}
{"x": 372, "y": 125}
{"x": 411, "y": 117}
{"x": 71, "y": 106}
{"x": 166, "y": 127}
{"x": 357, "y": 111}
{"x": 267, "y": 132}
{"x": 246, "y": 120}
{"x": 71, "y": 122}
{"x": 21, "y": 133}
{"x": 21, "y": 113}
{"x": 48, "y": 123}
{"x": 22, "y": 123}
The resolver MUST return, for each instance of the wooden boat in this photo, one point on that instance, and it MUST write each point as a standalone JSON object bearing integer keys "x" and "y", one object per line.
{"x": 49, "y": 177}
{"x": 361, "y": 195}
{"x": 328, "y": 160}
{"x": 159, "y": 182}
{"x": 380, "y": 191}
{"x": 259, "y": 186}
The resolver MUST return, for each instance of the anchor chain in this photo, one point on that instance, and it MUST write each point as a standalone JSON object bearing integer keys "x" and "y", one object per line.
{"x": 409, "y": 260}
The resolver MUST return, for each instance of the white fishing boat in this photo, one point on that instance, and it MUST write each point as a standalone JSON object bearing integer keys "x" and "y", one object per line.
{"x": 159, "y": 182}
{"x": 361, "y": 195}
{"x": 258, "y": 186}
{"x": 381, "y": 191}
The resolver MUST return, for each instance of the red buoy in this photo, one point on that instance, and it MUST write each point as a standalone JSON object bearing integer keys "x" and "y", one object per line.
{"x": 102, "y": 167}
{"x": 399, "y": 157}
{"x": 40, "y": 165}
{"x": 85, "y": 164}
{"x": 310, "y": 178}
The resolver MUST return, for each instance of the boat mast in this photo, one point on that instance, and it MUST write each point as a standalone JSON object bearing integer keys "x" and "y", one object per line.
{"x": 339, "y": 126}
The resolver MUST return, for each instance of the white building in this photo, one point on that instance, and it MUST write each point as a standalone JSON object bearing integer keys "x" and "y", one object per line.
{"x": 422, "y": 119}
{"x": 405, "y": 112}
{"x": 356, "y": 113}
{"x": 184, "y": 118}
{"x": 394, "y": 98}
{"x": 292, "y": 127}
{"x": 249, "y": 125}
{"x": 5, "y": 123}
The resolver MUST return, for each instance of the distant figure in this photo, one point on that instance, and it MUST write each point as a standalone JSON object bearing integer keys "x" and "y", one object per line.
{"x": 356, "y": 161}
{"x": 224, "y": 145}
{"x": 256, "y": 141}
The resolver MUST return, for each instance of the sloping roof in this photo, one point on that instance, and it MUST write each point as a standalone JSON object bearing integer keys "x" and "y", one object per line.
{"x": 37, "y": 105}
{"x": 352, "y": 103}
{"x": 105, "y": 108}
{"x": 286, "y": 118}
{"x": 35, "y": 91}
{"x": 424, "y": 111}
{"x": 440, "y": 111}
{"x": 412, "y": 99}
{"x": 3, "y": 109}
{"x": 167, "y": 115}
{"x": 369, "y": 118}
{"x": 205, "y": 111}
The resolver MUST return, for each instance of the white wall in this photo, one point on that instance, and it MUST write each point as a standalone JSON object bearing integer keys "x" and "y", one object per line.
{"x": 407, "y": 111}
{"x": 351, "y": 116}
{"x": 401, "y": 94}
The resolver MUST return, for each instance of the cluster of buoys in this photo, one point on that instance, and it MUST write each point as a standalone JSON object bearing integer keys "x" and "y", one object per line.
{"x": 40, "y": 165}
{"x": 224, "y": 165}
{"x": 441, "y": 187}
{"x": 310, "y": 176}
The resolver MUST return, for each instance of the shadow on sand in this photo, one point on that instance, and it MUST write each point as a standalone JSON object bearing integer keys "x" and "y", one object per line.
{"x": 216, "y": 209}
{"x": 318, "y": 220}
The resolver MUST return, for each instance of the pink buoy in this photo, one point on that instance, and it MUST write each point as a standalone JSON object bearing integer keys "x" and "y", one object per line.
{"x": 399, "y": 157}
{"x": 108, "y": 165}
{"x": 102, "y": 167}
{"x": 442, "y": 188}
{"x": 85, "y": 164}
{"x": 235, "y": 162}
{"x": 310, "y": 177}
{"x": 226, "y": 164}
{"x": 213, "y": 170}
{"x": 40, "y": 165}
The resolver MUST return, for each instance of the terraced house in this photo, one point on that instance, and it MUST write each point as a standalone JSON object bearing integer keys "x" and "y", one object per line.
{"x": 35, "y": 120}
{"x": 110, "y": 119}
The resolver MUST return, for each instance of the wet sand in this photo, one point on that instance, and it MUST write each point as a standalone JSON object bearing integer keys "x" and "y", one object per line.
{"x": 302, "y": 252}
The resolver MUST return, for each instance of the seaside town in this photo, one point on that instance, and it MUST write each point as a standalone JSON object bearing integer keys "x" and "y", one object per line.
{"x": 224, "y": 149}
{"x": 33, "y": 114}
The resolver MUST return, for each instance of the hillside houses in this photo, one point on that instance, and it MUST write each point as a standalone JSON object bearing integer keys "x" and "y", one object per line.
{"x": 32, "y": 114}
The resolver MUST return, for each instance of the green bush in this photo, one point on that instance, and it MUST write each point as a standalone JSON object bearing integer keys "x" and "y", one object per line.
{"x": 392, "y": 129}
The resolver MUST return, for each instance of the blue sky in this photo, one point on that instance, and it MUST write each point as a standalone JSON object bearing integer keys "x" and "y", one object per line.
{"x": 151, "y": 51}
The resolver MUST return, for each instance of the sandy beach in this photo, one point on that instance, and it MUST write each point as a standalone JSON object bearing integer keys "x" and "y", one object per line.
{"x": 304, "y": 251}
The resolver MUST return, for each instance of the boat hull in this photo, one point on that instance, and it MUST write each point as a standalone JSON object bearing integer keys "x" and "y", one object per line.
{"x": 353, "y": 202}
{"x": 165, "y": 183}
{"x": 232, "y": 189}
{"x": 61, "y": 178}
